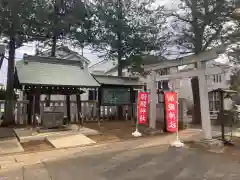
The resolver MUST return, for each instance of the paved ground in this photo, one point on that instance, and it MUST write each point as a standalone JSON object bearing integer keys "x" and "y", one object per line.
{"x": 148, "y": 163}
{"x": 144, "y": 158}
{"x": 9, "y": 142}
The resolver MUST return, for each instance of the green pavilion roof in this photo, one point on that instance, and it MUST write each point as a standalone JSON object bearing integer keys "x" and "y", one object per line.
{"x": 48, "y": 71}
{"x": 116, "y": 80}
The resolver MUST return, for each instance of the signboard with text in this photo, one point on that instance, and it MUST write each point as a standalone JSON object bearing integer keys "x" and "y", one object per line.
{"x": 171, "y": 111}
{"x": 115, "y": 96}
{"x": 142, "y": 107}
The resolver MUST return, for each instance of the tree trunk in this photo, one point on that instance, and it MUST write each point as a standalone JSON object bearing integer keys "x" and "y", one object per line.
{"x": 196, "y": 116}
{"x": 54, "y": 45}
{"x": 53, "y": 54}
{"x": 1, "y": 60}
{"x": 120, "y": 69}
{"x": 120, "y": 108}
{"x": 55, "y": 30}
{"x": 196, "y": 101}
{"x": 9, "y": 108}
{"x": 198, "y": 48}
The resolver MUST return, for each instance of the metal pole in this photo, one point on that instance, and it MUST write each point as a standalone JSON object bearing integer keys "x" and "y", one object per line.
{"x": 136, "y": 133}
{"x": 137, "y": 119}
{"x": 177, "y": 117}
{"x": 177, "y": 142}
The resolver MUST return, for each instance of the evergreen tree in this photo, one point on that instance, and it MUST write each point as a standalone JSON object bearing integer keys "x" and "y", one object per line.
{"x": 127, "y": 28}
{"x": 60, "y": 20}
{"x": 16, "y": 24}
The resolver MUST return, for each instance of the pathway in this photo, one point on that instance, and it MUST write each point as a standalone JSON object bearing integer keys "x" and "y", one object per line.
{"x": 140, "y": 164}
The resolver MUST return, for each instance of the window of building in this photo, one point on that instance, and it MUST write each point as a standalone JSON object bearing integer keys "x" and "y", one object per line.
{"x": 164, "y": 71}
{"x": 214, "y": 78}
{"x": 220, "y": 78}
{"x": 217, "y": 78}
{"x": 214, "y": 101}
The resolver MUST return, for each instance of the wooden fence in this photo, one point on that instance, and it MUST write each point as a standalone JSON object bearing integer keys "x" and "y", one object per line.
{"x": 90, "y": 111}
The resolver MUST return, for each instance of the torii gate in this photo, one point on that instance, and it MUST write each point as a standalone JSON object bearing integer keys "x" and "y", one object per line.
{"x": 200, "y": 72}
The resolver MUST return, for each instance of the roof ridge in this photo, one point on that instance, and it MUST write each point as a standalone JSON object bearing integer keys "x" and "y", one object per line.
{"x": 110, "y": 76}
{"x": 50, "y": 60}
{"x": 66, "y": 48}
{"x": 98, "y": 63}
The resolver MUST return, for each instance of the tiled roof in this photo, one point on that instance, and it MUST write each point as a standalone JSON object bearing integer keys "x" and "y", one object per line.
{"x": 116, "y": 80}
{"x": 36, "y": 70}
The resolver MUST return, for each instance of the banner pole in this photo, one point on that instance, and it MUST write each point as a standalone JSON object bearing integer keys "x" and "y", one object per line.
{"x": 177, "y": 142}
{"x": 177, "y": 135}
{"x": 136, "y": 133}
{"x": 137, "y": 121}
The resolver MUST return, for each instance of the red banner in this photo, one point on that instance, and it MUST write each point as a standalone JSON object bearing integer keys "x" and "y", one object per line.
{"x": 171, "y": 111}
{"x": 142, "y": 108}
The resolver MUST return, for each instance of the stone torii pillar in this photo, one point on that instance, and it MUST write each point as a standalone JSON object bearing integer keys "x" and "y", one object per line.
{"x": 204, "y": 104}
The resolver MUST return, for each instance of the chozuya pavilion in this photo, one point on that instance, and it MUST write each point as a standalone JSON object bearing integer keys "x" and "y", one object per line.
{"x": 48, "y": 75}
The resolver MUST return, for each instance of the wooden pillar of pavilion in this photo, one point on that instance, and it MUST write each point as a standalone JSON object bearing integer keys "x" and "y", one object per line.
{"x": 24, "y": 109}
{"x": 99, "y": 98}
{"x": 68, "y": 108}
{"x": 79, "y": 109}
{"x": 29, "y": 108}
{"x": 36, "y": 104}
{"x": 133, "y": 100}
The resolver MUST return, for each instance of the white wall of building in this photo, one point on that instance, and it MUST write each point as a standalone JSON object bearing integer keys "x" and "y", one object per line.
{"x": 214, "y": 82}
{"x": 102, "y": 66}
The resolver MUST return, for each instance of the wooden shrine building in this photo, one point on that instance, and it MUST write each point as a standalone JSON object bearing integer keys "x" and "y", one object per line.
{"x": 35, "y": 75}
{"x": 48, "y": 75}
{"x": 117, "y": 91}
